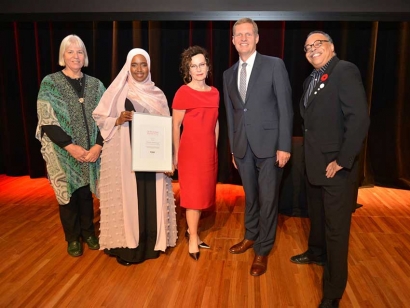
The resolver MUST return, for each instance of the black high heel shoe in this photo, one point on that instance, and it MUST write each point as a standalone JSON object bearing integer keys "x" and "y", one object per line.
{"x": 204, "y": 245}
{"x": 201, "y": 244}
{"x": 193, "y": 255}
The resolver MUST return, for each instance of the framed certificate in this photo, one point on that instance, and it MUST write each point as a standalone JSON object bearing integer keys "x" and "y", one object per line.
{"x": 151, "y": 143}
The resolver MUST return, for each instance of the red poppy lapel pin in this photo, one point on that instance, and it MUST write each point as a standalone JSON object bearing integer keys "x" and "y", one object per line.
{"x": 324, "y": 77}
{"x": 322, "y": 85}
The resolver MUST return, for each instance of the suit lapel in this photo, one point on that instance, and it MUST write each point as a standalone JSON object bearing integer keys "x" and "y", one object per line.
{"x": 318, "y": 89}
{"x": 302, "y": 100}
{"x": 233, "y": 84}
{"x": 254, "y": 75}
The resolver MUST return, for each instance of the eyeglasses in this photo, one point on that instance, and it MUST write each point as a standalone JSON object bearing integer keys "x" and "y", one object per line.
{"x": 195, "y": 67}
{"x": 315, "y": 44}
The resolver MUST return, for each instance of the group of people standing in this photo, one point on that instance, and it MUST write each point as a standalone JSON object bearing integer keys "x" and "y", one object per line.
{"x": 79, "y": 120}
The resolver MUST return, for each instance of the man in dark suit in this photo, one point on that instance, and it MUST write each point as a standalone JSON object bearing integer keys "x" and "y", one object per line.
{"x": 335, "y": 116}
{"x": 259, "y": 114}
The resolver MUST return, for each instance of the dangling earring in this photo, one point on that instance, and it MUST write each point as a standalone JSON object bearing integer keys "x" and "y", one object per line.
{"x": 190, "y": 78}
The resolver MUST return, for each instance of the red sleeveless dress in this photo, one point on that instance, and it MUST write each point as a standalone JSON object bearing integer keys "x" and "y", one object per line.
{"x": 197, "y": 155}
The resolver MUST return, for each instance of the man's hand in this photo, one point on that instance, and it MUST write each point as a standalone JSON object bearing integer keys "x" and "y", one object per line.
{"x": 282, "y": 158}
{"x": 233, "y": 162}
{"x": 332, "y": 168}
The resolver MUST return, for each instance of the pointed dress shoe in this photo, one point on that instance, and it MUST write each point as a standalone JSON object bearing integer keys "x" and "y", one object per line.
{"x": 75, "y": 249}
{"x": 201, "y": 243}
{"x": 329, "y": 303}
{"x": 204, "y": 245}
{"x": 242, "y": 246}
{"x": 305, "y": 259}
{"x": 194, "y": 255}
{"x": 259, "y": 265}
{"x": 92, "y": 242}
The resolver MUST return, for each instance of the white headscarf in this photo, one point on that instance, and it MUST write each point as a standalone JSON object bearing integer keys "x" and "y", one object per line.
{"x": 143, "y": 93}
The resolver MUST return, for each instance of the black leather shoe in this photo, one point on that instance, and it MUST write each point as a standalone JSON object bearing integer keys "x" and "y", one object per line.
{"x": 75, "y": 249}
{"x": 329, "y": 303}
{"x": 123, "y": 262}
{"x": 305, "y": 259}
{"x": 92, "y": 242}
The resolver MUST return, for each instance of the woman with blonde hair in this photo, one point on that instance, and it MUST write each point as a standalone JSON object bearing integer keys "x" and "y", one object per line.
{"x": 70, "y": 141}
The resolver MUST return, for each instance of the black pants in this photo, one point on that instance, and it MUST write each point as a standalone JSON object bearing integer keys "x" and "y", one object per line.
{"x": 330, "y": 210}
{"x": 77, "y": 216}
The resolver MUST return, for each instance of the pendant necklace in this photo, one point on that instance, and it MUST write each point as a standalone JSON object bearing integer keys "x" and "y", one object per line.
{"x": 81, "y": 99}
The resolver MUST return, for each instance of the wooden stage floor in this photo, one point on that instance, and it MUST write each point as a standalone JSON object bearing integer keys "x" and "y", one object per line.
{"x": 36, "y": 271}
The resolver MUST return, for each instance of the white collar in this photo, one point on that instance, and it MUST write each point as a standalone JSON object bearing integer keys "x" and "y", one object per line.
{"x": 250, "y": 61}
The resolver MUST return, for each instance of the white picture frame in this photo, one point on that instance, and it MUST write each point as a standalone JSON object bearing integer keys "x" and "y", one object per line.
{"x": 151, "y": 143}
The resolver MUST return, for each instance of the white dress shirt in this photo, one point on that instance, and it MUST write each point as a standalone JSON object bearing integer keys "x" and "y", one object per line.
{"x": 249, "y": 66}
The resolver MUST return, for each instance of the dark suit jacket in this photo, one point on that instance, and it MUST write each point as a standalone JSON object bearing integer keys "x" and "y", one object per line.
{"x": 265, "y": 119}
{"x": 335, "y": 123}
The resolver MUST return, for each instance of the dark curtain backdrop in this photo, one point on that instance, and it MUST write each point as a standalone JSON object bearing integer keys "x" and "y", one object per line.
{"x": 29, "y": 51}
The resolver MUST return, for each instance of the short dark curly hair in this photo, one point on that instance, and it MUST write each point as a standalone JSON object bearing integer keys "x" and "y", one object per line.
{"x": 186, "y": 58}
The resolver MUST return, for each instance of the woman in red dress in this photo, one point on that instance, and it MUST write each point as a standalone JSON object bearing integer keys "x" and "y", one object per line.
{"x": 195, "y": 107}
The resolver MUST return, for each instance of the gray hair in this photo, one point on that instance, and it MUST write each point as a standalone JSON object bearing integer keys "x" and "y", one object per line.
{"x": 71, "y": 39}
{"x": 323, "y": 33}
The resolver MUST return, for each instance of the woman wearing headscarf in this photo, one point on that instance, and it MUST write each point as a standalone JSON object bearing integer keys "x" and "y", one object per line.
{"x": 138, "y": 218}
{"x": 70, "y": 142}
